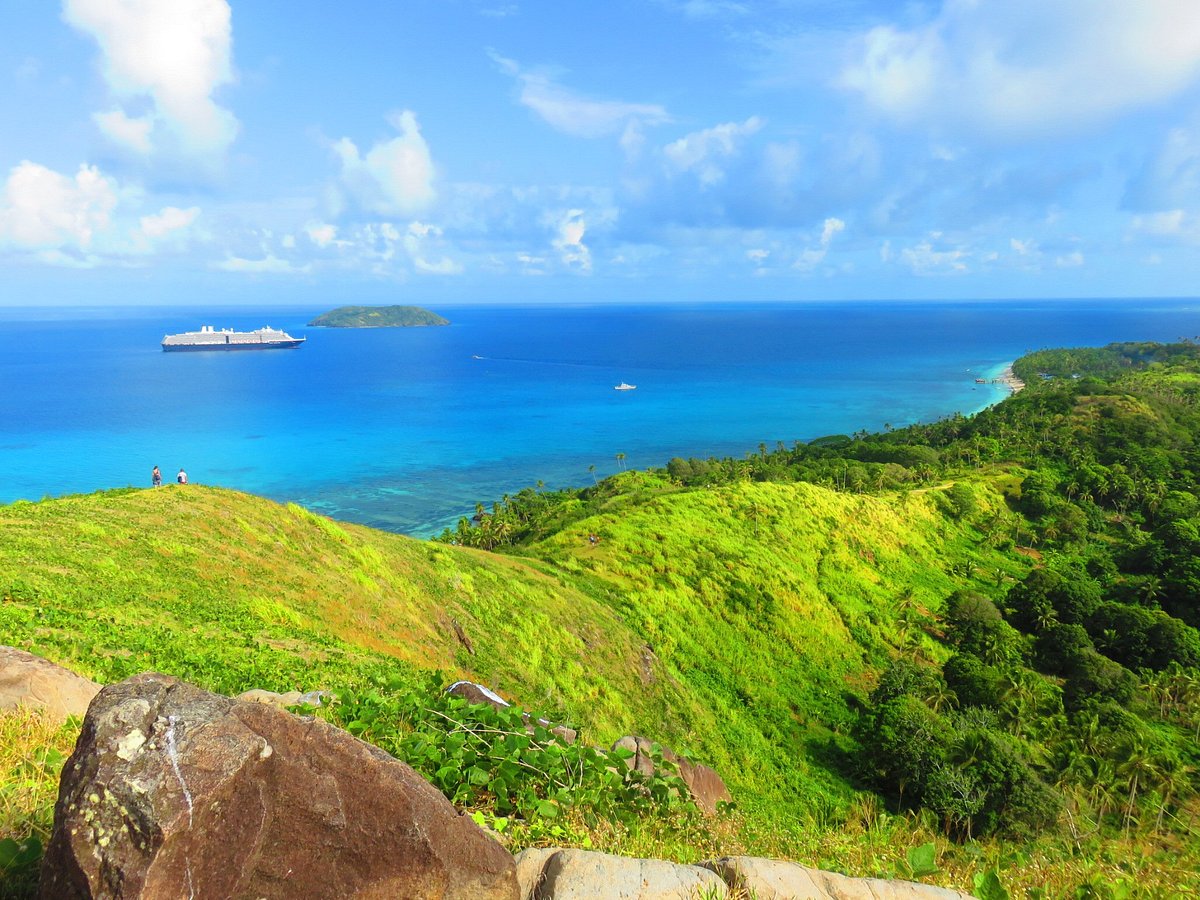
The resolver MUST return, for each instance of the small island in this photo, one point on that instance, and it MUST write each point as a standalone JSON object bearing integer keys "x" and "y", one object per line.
{"x": 377, "y": 317}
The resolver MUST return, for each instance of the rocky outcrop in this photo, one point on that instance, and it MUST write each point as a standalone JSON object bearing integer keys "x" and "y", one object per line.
{"x": 551, "y": 874}
{"x": 28, "y": 680}
{"x": 772, "y": 879}
{"x": 706, "y": 786}
{"x": 173, "y": 791}
{"x": 585, "y": 875}
{"x": 477, "y": 693}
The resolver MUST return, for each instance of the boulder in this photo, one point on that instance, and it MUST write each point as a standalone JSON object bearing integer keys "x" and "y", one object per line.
{"x": 773, "y": 879}
{"x": 530, "y": 863}
{"x": 477, "y": 693}
{"x": 28, "y": 680}
{"x": 173, "y": 791}
{"x": 706, "y": 786}
{"x": 586, "y": 875}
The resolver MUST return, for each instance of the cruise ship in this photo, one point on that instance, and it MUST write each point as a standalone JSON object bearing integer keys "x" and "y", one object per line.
{"x": 208, "y": 338}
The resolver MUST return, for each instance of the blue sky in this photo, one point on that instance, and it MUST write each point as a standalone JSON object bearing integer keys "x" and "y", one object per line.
{"x": 446, "y": 151}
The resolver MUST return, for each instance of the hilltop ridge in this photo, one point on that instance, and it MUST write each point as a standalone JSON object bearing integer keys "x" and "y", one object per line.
{"x": 378, "y": 317}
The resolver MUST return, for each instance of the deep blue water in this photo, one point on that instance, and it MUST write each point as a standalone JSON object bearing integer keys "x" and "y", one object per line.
{"x": 405, "y": 429}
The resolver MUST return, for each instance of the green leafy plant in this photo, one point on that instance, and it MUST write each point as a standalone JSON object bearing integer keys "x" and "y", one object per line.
{"x": 922, "y": 860}
{"x": 504, "y": 759}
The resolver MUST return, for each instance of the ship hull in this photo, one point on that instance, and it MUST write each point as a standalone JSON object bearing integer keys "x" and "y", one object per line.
{"x": 247, "y": 345}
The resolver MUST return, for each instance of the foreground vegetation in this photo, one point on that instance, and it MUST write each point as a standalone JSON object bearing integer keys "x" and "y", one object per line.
{"x": 964, "y": 651}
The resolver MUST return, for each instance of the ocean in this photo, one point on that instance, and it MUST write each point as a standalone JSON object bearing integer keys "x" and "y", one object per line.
{"x": 406, "y": 429}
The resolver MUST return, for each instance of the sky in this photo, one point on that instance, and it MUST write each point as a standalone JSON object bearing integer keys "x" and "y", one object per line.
{"x": 471, "y": 151}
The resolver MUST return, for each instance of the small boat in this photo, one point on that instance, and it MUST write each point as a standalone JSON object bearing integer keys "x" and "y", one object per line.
{"x": 981, "y": 381}
{"x": 625, "y": 387}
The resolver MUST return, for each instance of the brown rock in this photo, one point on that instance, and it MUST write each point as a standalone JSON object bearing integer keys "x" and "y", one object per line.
{"x": 173, "y": 791}
{"x": 28, "y": 680}
{"x": 706, "y": 786}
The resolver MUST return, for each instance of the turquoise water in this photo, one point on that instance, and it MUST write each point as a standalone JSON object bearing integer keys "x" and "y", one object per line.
{"x": 407, "y": 429}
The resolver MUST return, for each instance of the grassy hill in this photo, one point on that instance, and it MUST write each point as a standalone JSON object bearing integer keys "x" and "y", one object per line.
{"x": 690, "y": 621}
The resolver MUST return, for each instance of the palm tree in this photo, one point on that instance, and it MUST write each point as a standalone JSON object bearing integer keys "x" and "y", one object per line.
{"x": 621, "y": 461}
{"x": 592, "y": 470}
{"x": 1139, "y": 767}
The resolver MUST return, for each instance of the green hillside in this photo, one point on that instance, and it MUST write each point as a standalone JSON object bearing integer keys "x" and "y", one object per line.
{"x": 681, "y": 623}
{"x": 970, "y": 633}
{"x": 378, "y": 317}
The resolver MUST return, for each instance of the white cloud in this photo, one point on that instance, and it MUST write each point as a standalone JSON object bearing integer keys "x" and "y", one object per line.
{"x": 321, "y": 234}
{"x": 926, "y": 259}
{"x": 121, "y": 129}
{"x": 173, "y": 54}
{"x": 43, "y": 209}
{"x": 396, "y": 176}
{"x": 269, "y": 265}
{"x": 573, "y": 114}
{"x": 1173, "y": 225}
{"x": 700, "y": 150}
{"x": 757, "y": 255}
{"x": 812, "y": 256}
{"x": 1026, "y": 65}
{"x": 418, "y": 240}
{"x": 569, "y": 243}
{"x": 169, "y": 219}
{"x": 1069, "y": 260}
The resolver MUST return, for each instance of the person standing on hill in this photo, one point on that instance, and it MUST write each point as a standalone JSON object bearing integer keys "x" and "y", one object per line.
{"x": 181, "y": 477}
{"x": 156, "y": 477}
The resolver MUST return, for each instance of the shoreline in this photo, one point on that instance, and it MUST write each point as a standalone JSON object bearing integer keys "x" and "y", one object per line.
{"x": 1010, "y": 380}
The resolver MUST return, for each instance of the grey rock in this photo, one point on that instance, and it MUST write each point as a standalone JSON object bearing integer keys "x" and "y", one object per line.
{"x": 586, "y": 875}
{"x": 773, "y": 879}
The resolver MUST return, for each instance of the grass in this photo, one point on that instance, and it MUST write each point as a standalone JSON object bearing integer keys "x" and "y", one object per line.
{"x": 33, "y": 747}
{"x": 740, "y": 625}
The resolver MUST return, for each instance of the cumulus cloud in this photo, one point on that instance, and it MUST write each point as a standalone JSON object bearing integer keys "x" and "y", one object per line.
{"x": 700, "y": 151}
{"x": 175, "y": 55}
{"x": 395, "y": 177}
{"x": 419, "y": 239}
{"x": 126, "y": 131}
{"x": 572, "y": 251}
{"x": 932, "y": 257}
{"x": 566, "y": 111}
{"x": 813, "y": 256}
{"x": 169, "y": 220}
{"x": 1171, "y": 226}
{"x": 321, "y": 234}
{"x": 1028, "y": 66}
{"x": 43, "y": 209}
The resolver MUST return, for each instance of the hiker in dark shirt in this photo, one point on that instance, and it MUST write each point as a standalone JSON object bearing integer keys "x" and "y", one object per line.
{"x": 156, "y": 477}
